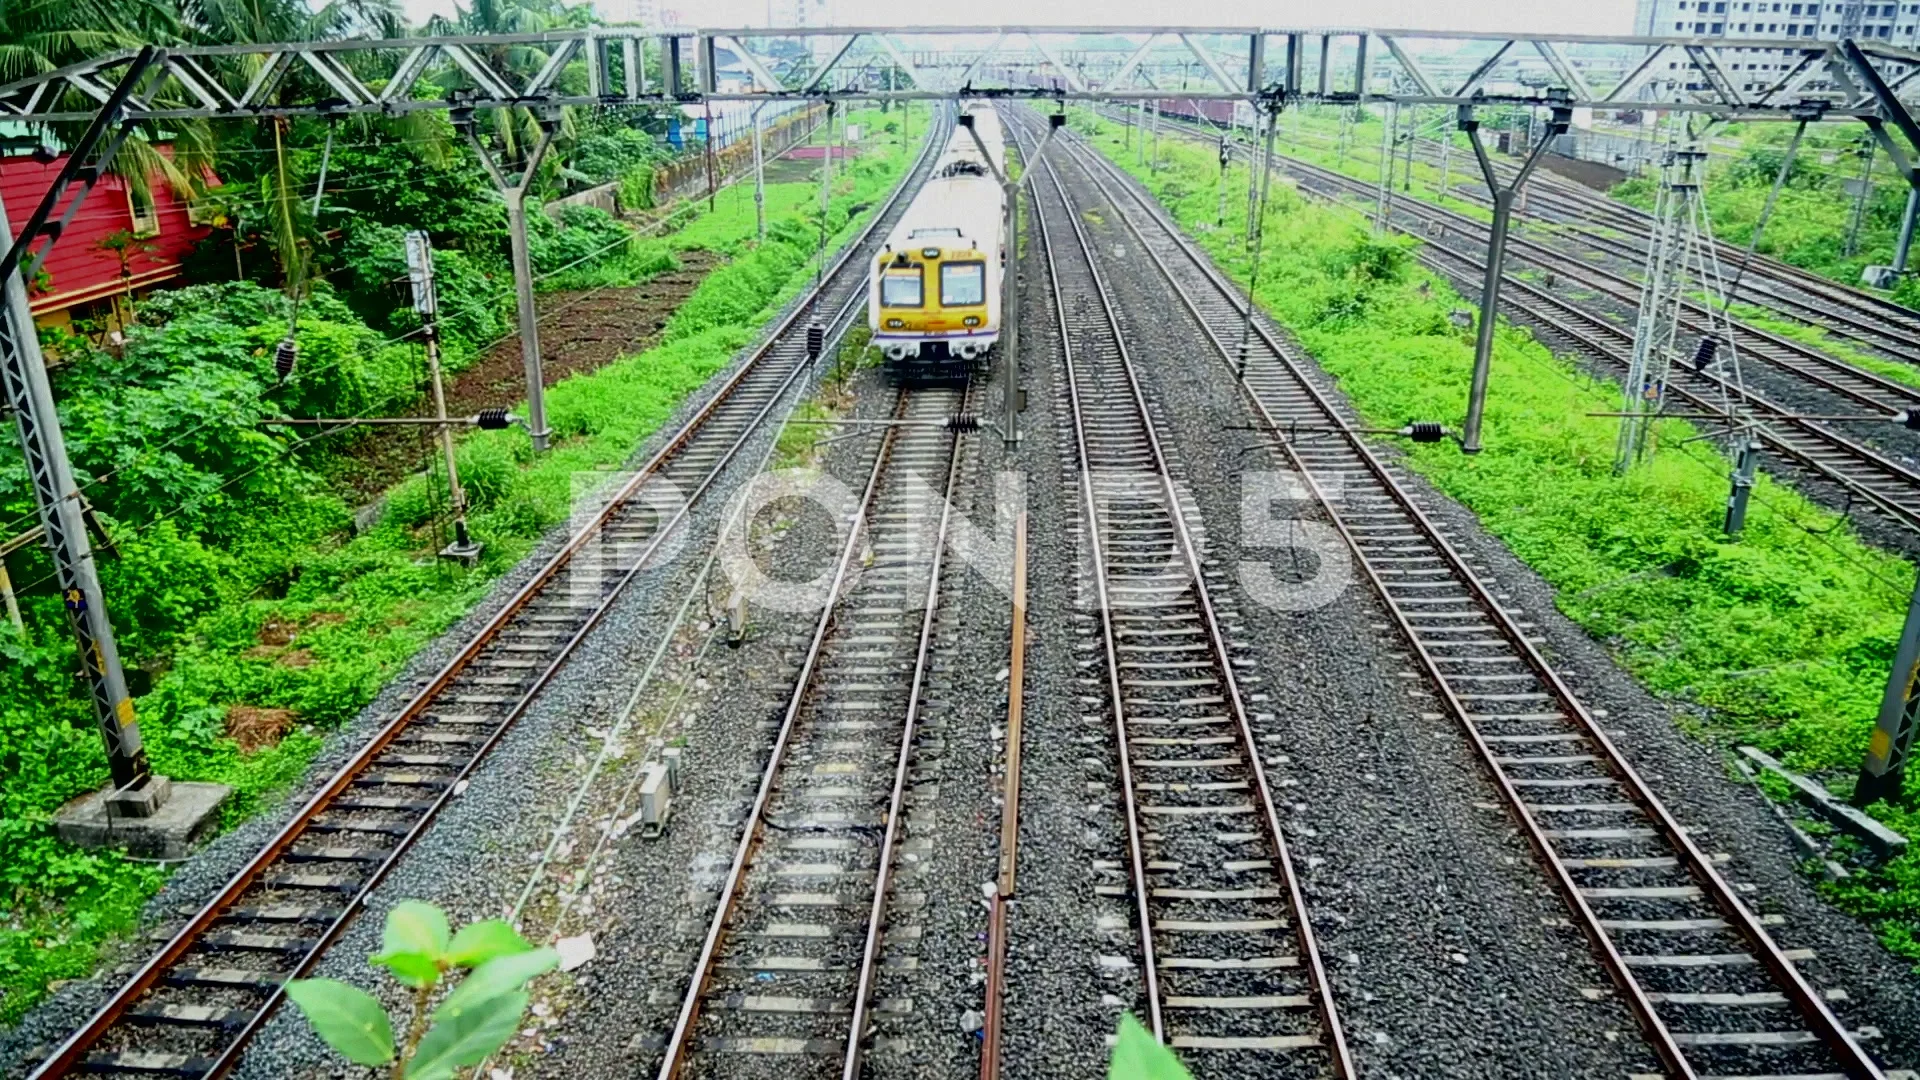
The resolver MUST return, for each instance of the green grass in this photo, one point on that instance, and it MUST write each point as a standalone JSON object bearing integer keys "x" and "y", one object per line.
{"x": 1782, "y": 639}
{"x": 1805, "y": 230}
{"x": 1817, "y": 337}
{"x": 360, "y": 608}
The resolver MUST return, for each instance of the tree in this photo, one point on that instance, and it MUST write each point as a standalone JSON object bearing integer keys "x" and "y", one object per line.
{"x": 517, "y": 130}
{"x": 125, "y": 245}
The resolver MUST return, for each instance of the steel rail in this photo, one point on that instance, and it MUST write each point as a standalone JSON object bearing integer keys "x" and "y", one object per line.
{"x": 679, "y": 1043}
{"x": 1626, "y": 291}
{"x": 72, "y": 1050}
{"x": 1870, "y": 317}
{"x": 991, "y": 1033}
{"x": 1784, "y": 446}
{"x": 1896, "y": 322}
{"x": 1779, "y": 428}
{"x": 1336, "y": 1045}
{"x": 1870, "y": 320}
{"x": 1586, "y": 203}
{"x": 896, "y": 802}
{"x": 1811, "y": 1006}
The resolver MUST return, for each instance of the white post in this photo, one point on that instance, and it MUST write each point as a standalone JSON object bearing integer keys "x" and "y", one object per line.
{"x": 759, "y": 177}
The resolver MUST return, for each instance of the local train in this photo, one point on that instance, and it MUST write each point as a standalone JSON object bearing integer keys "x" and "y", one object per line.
{"x": 933, "y": 303}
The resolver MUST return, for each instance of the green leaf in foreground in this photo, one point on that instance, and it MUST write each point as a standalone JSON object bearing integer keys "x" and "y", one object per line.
{"x": 346, "y": 1018}
{"x": 501, "y": 975}
{"x": 415, "y": 941}
{"x": 1137, "y": 1056}
{"x": 413, "y": 926}
{"x": 488, "y": 939}
{"x": 462, "y": 1037}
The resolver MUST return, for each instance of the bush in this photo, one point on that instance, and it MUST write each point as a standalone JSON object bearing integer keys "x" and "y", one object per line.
{"x": 476, "y": 307}
{"x": 604, "y": 156}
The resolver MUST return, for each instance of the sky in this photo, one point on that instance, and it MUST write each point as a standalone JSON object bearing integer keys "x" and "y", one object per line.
{"x": 1557, "y": 16}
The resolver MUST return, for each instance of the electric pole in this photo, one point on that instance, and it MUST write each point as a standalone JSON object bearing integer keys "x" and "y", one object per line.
{"x": 23, "y": 370}
{"x": 515, "y": 194}
{"x": 1883, "y": 773}
{"x": 29, "y": 394}
{"x": 426, "y": 302}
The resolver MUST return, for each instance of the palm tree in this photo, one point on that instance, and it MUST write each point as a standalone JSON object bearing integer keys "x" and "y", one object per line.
{"x": 38, "y": 36}
{"x": 260, "y": 22}
{"x": 515, "y": 130}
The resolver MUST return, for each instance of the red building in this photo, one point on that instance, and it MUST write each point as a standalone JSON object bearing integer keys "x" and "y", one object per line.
{"x": 84, "y": 277}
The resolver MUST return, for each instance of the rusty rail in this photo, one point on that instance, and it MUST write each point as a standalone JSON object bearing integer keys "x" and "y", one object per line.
{"x": 71, "y": 1051}
{"x": 1009, "y": 815}
{"x": 679, "y": 1042}
{"x": 1321, "y": 996}
{"x": 1820, "y": 1019}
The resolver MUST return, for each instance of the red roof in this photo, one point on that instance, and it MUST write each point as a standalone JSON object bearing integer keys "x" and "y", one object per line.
{"x": 79, "y": 270}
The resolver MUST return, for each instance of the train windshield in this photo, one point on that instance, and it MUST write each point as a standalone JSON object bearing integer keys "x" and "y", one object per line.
{"x": 963, "y": 284}
{"x": 901, "y": 288}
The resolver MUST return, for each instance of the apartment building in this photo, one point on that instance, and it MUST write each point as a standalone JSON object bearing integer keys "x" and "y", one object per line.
{"x": 1756, "y": 69}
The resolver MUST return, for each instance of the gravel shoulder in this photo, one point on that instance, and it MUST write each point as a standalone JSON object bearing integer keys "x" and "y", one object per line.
{"x": 457, "y": 863}
{"x": 1449, "y": 953}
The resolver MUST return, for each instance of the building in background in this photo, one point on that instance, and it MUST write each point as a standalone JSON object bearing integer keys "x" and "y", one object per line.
{"x": 653, "y": 14}
{"x": 1757, "y": 69}
{"x": 121, "y": 244}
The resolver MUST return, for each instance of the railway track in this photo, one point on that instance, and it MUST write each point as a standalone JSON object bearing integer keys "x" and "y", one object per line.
{"x": 1848, "y": 384}
{"x": 1868, "y": 478}
{"x": 1714, "y": 993}
{"x": 1623, "y": 232}
{"x": 1231, "y": 969}
{"x": 1869, "y": 320}
{"x": 191, "y": 1009}
{"x": 782, "y": 986}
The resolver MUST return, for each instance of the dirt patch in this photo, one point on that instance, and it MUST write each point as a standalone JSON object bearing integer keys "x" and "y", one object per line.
{"x": 580, "y": 331}
{"x": 1593, "y": 174}
{"x": 256, "y": 729}
{"x": 277, "y": 633}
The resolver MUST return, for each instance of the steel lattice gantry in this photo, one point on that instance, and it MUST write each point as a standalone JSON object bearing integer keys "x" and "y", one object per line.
{"x": 615, "y": 65}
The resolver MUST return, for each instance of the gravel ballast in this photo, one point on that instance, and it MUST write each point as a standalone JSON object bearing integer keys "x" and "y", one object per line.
{"x": 1693, "y": 778}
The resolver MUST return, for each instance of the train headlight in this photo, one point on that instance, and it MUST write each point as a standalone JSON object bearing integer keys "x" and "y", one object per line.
{"x": 895, "y": 324}
{"x": 971, "y": 320}
{"x": 929, "y": 253}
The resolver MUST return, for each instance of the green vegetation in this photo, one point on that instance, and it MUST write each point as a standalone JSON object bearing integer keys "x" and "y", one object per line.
{"x": 1808, "y": 229}
{"x": 800, "y": 441}
{"x": 1834, "y": 346}
{"x": 420, "y": 950}
{"x": 1782, "y": 639}
{"x": 1815, "y": 215}
{"x": 238, "y": 593}
{"x": 1137, "y": 1055}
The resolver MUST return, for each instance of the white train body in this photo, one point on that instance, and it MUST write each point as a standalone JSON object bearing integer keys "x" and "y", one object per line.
{"x": 934, "y": 297}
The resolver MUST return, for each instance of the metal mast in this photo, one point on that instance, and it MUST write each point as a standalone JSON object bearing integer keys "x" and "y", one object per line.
{"x": 23, "y": 377}
{"x": 1681, "y": 260}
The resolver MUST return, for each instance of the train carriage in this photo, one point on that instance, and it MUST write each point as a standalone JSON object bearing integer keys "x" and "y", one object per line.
{"x": 934, "y": 299}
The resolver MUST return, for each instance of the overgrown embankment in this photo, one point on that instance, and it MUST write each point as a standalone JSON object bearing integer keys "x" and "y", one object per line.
{"x": 1822, "y": 222}
{"x": 259, "y": 622}
{"x": 1784, "y": 639}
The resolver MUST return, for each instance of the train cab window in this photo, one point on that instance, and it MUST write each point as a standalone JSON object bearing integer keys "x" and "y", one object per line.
{"x": 902, "y": 288}
{"x": 963, "y": 284}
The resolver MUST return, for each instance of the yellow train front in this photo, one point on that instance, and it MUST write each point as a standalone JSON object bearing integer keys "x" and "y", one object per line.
{"x": 934, "y": 300}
